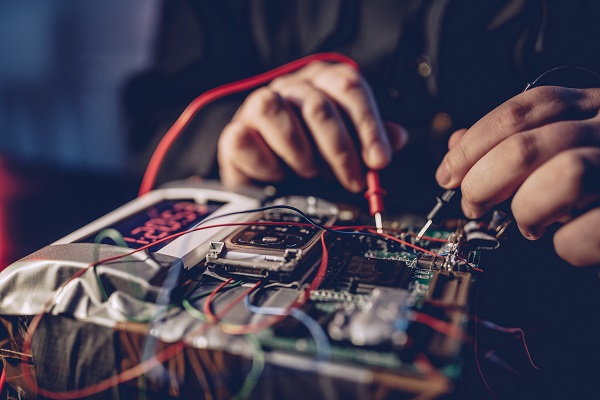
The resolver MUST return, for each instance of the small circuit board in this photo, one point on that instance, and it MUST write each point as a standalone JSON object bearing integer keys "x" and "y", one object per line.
{"x": 387, "y": 303}
{"x": 376, "y": 306}
{"x": 302, "y": 287}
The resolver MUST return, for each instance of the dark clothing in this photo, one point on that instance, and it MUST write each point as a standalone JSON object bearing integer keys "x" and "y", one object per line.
{"x": 462, "y": 58}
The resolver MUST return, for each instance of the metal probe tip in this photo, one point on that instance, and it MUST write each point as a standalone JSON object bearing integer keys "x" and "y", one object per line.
{"x": 378, "y": 223}
{"x": 424, "y": 229}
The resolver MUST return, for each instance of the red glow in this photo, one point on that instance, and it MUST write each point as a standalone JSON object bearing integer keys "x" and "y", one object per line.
{"x": 10, "y": 188}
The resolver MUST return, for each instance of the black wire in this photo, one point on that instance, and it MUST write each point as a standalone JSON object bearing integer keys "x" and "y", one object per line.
{"x": 557, "y": 70}
{"x": 296, "y": 210}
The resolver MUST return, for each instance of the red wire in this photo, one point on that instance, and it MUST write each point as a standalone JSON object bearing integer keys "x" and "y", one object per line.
{"x": 214, "y": 319}
{"x": 440, "y": 326}
{"x": 177, "y": 347}
{"x": 316, "y": 282}
{"x": 160, "y": 357}
{"x": 395, "y": 239}
{"x": 373, "y": 228}
{"x": 106, "y": 384}
{"x": 515, "y": 338}
{"x": 207, "y": 310}
{"x": 235, "y": 87}
{"x": 481, "y": 375}
{"x": 473, "y": 267}
{"x": 133, "y": 372}
{"x": 2, "y": 379}
{"x": 475, "y": 350}
{"x": 270, "y": 321}
{"x": 503, "y": 329}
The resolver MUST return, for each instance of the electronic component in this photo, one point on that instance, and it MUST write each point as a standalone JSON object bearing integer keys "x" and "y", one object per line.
{"x": 170, "y": 210}
{"x": 476, "y": 235}
{"x": 382, "y": 319}
{"x": 362, "y": 275}
{"x": 378, "y": 306}
{"x": 278, "y": 253}
{"x": 498, "y": 223}
{"x": 486, "y": 236}
{"x": 449, "y": 288}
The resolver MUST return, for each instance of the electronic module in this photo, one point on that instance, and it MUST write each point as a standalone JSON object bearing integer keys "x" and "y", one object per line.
{"x": 197, "y": 292}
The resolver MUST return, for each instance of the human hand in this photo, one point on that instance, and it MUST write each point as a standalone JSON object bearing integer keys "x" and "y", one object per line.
{"x": 296, "y": 121}
{"x": 543, "y": 146}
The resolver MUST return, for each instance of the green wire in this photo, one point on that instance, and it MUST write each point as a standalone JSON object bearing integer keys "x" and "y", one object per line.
{"x": 117, "y": 238}
{"x": 193, "y": 311}
{"x": 143, "y": 387}
{"x": 256, "y": 369}
{"x": 206, "y": 293}
{"x": 258, "y": 354}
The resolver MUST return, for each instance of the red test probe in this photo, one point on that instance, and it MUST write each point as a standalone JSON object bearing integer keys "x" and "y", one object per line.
{"x": 374, "y": 195}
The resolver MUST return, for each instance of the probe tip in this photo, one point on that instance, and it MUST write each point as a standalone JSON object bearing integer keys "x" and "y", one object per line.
{"x": 424, "y": 229}
{"x": 378, "y": 222}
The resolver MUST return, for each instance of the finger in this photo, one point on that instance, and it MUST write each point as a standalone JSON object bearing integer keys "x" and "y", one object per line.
{"x": 455, "y": 138}
{"x": 529, "y": 110}
{"x": 566, "y": 183}
{"x": 304, "y": 74}
{"x": 329, "y": 133}
{"x": 500, "y": 172}
{"x": 231, "y": 177}
{"x": 578, "y": 242}
{"x": 244, "y": 157}
{"x": 397, "y": 135}
{"x": 270, "y": 115}
{"x": 346, "y": 87}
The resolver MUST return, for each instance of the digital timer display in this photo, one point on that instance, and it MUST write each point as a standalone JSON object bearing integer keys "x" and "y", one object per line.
{"x": 160, "y": 220}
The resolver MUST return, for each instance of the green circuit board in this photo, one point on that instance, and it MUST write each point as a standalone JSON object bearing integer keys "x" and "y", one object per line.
{"x": 414, "y": 278}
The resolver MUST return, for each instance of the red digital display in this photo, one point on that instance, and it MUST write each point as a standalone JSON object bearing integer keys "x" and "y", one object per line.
{"x": 159, "y": 221}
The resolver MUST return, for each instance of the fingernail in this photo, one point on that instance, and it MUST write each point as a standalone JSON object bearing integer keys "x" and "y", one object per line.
{"x": 467, "y": 210}
{"x": 525, "y": 234}
{"x": 443, "y": 174}
{"x": 308, "y": 172}
{"x": 355, "y": 185}
{"x": 400, "y": 137}
{"x": 378, "y": 155}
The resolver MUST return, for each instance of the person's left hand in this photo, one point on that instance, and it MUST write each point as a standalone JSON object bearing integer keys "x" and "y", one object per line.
{"x": 543, "y": 146}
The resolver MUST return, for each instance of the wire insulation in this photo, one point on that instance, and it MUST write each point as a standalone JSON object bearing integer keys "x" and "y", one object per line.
{"x": 149, "y": 179}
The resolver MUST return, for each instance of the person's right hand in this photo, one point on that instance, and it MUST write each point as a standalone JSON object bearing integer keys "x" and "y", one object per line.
{"x": 543, "y": 148}
{"x": 296, "y": 121}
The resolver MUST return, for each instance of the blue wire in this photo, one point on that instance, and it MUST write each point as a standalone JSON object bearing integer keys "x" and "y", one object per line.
{"x": 319, "y": 336}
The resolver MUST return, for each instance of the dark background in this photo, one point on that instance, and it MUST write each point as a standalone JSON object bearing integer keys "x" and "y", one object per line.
{"x": 64, "y": 161}
{"x": 63, "y": 154}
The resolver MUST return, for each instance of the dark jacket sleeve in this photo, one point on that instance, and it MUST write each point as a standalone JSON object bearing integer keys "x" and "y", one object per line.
{"x": 423, "y": 58}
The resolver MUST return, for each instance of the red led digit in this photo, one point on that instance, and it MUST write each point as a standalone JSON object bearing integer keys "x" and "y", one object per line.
{"x": 133, "y": 240}
{"x": 148, "y": 233}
